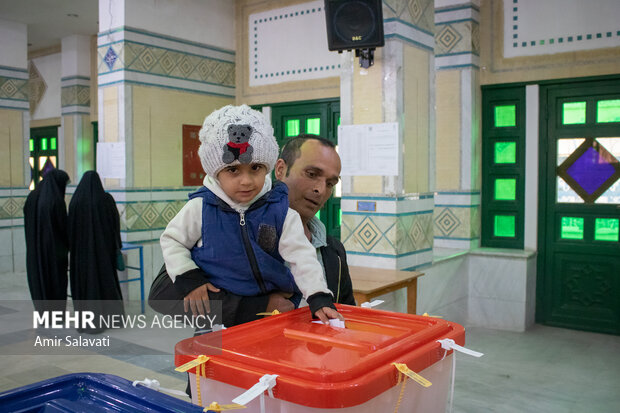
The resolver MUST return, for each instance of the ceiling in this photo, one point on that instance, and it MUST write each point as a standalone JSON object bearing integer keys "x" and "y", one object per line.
{"x": 49, "y": 21}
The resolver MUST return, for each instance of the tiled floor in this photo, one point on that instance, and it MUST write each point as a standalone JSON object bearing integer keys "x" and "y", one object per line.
{"x": 543, "y": 370}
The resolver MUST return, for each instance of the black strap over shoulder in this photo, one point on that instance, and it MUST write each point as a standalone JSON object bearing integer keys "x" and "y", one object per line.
{"x": 163, "y": 297}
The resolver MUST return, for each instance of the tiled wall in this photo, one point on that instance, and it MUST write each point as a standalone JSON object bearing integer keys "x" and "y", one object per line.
{"x": 12, "y": 241}
{"x": 457, "y": 36}
{"x": 14, "y": 90}
{"x": 397, "y": 234}
{"x": 75, "y": 95}
{"x": 145, "y": 213}
{"x": 456, "y": 219}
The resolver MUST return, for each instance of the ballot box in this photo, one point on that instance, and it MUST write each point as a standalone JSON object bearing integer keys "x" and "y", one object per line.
{"x": 92, "y": 393}
{"x": 379, "y": 361}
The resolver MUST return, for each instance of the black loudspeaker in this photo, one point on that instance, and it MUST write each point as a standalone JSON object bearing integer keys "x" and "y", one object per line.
{"x": 354, "y": 24}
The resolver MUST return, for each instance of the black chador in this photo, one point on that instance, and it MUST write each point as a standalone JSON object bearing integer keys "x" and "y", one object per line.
{"x": 47, "y": 243}
{"x": 95, "y": 241}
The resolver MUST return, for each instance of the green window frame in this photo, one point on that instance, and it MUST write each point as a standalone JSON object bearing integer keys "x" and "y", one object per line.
{"x": 503, "y": 167}
{"x": 318, "y": 117}
{"x": 43, "y": 143}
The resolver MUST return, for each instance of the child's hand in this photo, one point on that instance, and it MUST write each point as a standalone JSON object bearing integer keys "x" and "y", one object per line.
{"x": 325, "y": 313}
{"x": 198, "y": 299}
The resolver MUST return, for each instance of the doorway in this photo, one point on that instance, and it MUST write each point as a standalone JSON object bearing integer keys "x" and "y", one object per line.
{"x": 579, "y": 206}
{"x": 43, "y": 153}
{"x": 318, "y": 117}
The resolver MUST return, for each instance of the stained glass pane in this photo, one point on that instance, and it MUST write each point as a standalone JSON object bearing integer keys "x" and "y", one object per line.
{"x": 505, "y": 116}
{"x": 571, "y": 228}
{"x": 505, "y": 152}
{"x": 313, "y": 126}
{"x": 505, "y": 189}
{"x": 504, "y": 226}
{"x": 318, "y": 214}
{"x": 292, "y": 127}
{"x": 612, "y": 195}
{"x": 564, "y": 192}
{"x": 574, "y": 113}
{"x": 31, "y": 145}
{"x": 606, "y": 229}
{"x": 53, "y": 144}
{"x": 590, "y": 170}
{"x": 31, "y": 161}
{"x": 44, "y": 144}
{"x": 608, "y": 111}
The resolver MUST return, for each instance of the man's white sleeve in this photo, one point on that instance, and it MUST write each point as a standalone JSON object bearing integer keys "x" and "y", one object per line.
{"x": 181, "y": 234}
{"x": 295, "y": 248}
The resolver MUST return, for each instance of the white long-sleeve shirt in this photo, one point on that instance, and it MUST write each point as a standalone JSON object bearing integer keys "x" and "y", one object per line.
{"x": 184, "y": 232}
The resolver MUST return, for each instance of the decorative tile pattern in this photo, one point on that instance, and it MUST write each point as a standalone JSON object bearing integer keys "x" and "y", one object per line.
{"x": 15, "y": 89}
{"x": 75, "y": 95}
{"x": 37, "y": 87}
{"x": 446, "y": 221}
{"x": 392, "y": 235}
{"x": 459, "y": 222}
{"x": 148, "y": 215}
{"x": 457, "y": 37}
{"x": 420, "y": 13}
{"x": 12, "y": 207}
{"x": 164, "y": 62}
{"x": 110, "y": 58}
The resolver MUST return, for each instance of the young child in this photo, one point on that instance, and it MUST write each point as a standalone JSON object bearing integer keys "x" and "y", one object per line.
{"x": 236, "y": 232}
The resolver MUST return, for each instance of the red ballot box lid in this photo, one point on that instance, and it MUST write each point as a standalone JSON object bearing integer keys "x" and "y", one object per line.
{"x": 319, "y": 365}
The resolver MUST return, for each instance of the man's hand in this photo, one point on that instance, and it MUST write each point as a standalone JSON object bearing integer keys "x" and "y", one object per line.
{"x": 280, "y": 301}
{"x": 325, "y": 313}
{"x": 198, "y": 299}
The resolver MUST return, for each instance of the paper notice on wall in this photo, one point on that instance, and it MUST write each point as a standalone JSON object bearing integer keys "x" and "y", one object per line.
{"x": 369, "y": 149}
{"x": 111, "y": 159}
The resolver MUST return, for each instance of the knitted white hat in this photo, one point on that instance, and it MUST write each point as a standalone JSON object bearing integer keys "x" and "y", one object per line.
{"x": 233, "y": 135}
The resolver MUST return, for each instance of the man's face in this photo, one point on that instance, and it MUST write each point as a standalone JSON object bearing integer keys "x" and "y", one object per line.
{"x": 311, "y": 179}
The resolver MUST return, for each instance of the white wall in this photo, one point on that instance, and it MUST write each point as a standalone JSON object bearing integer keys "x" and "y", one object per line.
{"x": 209, "y": 22}
{"x": 14, "y": 39}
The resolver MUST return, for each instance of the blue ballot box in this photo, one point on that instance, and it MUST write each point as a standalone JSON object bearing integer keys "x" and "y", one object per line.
{"x": 89, "y": 393}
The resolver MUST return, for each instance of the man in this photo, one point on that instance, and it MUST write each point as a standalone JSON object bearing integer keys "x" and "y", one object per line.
{"x": 310, "y": 167}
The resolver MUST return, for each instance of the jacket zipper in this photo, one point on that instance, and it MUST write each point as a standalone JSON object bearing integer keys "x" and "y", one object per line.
{"x": 250, "y": 253}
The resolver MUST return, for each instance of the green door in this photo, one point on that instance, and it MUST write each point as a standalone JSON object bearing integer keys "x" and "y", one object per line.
{"x": 43, "y": 152}
{"x": 579, "y": 198}
{"x": 322, "y": 118}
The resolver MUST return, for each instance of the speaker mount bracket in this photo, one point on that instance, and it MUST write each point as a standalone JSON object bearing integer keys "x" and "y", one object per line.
{"x": 367, "y": 57}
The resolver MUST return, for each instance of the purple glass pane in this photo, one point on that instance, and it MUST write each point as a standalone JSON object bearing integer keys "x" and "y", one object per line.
{"x": 590, "y": 170}
{"x": 48, "y": 166}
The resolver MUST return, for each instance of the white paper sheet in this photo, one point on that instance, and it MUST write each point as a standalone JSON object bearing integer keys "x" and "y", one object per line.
{"x": 111, "y": 159}
{"x": 369, "y": 149}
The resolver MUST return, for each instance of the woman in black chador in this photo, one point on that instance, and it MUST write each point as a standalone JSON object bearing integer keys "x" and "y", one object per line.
{"x": 47, "y": 243}
{"x": 94, "y": 241}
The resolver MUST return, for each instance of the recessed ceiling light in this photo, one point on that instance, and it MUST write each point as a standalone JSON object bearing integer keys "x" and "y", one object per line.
{"x": 72, "y": 15}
